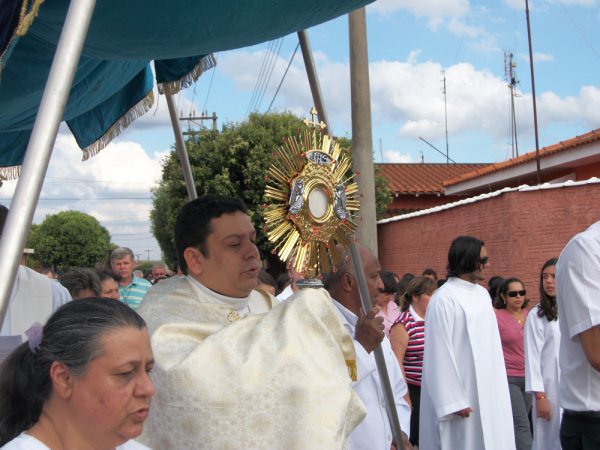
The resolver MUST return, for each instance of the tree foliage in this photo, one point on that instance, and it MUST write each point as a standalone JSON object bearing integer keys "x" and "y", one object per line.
{"x": 231, "y": 162}
{"x": 69, "y": 239}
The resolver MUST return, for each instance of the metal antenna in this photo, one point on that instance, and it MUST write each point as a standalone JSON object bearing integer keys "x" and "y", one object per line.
{"x": 446, "y": 115}
{"x": 511, "y": 77}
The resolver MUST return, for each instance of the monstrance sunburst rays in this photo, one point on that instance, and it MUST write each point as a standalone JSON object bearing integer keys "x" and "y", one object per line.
{"x": 312, "y": 200}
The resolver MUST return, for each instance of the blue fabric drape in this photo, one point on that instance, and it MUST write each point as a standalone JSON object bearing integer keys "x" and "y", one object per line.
{"x": 113, "y": 83}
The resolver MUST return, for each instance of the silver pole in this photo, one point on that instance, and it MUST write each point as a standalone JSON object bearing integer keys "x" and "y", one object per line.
{"x": 181, "y": 150}
{"x": 313, "y": 78}
{"x": 358, "y": 269}
{"x": 39, "y": 149}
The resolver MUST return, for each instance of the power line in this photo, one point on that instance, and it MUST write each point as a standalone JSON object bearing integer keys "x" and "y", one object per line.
{"x": 580, "y": 32}
{"x": 275, "y": 56}
{"x": 84, "y": 199}
{"x": 283, "y": 78}
{"x": 258, "y": 79}
{"x": 212, "y": 75}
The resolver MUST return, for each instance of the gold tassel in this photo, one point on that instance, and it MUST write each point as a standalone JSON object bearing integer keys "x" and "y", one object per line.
{"x": 173, "y": 87}
{"x": 138, "y": 110}
{"x": 352, "y": 370}
{"x": 26, "y": 18}
{"x": 10, "y": 173}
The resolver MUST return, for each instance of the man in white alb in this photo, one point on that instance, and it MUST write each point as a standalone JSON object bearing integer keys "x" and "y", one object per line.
{"x": 227, "y": 377}
{"x": 465, "y": 402}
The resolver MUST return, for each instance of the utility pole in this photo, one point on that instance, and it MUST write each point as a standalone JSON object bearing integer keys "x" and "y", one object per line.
{"x": 362, "y": 136}
{"x": 148, "y": 255}
{"x": 535, "y": 124}
{"x": 205, "y": 116}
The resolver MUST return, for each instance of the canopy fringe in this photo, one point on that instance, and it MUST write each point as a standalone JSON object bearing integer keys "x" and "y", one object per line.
{"x": 10, "y": 173}
{"x": 27, "y": 18}
{"x": 173, "y": 87}
{"x": 138, "y": 110}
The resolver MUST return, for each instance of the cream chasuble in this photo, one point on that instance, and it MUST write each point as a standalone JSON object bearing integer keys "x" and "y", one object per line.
{"x": 269, "y": 381}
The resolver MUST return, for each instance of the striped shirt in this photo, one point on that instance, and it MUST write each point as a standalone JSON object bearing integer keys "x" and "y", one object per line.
{"x": 134, "y": 292}
{"x": 413, "y": 357}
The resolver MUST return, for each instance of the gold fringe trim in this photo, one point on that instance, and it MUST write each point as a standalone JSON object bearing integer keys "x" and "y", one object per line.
{"x": 25, "y": 21}
{"x": 10, "y": 173}
{"x": 138, "y": 110}
{"x": 352, "y": 370}
{"x": 27, "y": 18}
{"x": 173, "y": 87}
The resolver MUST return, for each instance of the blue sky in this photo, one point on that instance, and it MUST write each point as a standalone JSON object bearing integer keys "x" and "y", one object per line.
{"x": 410, "y": 43}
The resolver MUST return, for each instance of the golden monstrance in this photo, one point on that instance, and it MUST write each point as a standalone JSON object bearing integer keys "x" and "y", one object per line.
{"x": 312, "y": 200}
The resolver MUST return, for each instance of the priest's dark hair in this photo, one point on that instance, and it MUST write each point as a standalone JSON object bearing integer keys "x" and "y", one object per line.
{"x": 548, "y": 307}
{"x": 192, "y": 226}
{"x": 463, "y": 256}
{"x": 73, "y": 337}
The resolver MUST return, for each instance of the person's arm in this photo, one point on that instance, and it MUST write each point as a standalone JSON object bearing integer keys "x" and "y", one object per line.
{"x": 399, "y": 341}
{"x": 590, "y": 342}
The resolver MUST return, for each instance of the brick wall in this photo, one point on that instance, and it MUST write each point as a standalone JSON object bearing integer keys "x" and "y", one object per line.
{"x": 521, "y": 230}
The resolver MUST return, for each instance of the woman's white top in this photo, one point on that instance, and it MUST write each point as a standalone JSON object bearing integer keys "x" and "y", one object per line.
{"x": 27, "y": 442}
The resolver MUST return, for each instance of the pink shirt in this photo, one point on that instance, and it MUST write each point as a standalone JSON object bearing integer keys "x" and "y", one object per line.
{"x": 513, "y": 342}
{"x": 393, "y": 312}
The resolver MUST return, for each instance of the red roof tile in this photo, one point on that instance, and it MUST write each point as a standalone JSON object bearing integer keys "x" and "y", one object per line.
{"x": 577, "y": 141}
{"x": 417, "y": 178}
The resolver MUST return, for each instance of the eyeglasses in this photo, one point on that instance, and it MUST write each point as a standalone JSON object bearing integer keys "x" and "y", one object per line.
{"x": 483, "y": 261}
{"x": 517, "y": 293}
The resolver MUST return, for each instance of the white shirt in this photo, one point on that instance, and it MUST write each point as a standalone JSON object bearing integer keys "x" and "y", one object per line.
{"x": 578, "y": 298}
{"x": 37, "y": 294}
{"x": 374, "y": 432}
{"x": 27, "y": 442}
{"x": 542, "y": 341}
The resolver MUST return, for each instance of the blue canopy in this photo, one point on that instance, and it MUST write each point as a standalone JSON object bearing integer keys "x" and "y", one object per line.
{"x": 113, "y": 83}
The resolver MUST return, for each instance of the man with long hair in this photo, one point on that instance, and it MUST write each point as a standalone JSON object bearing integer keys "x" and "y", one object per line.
{"x": 465, "y": 401}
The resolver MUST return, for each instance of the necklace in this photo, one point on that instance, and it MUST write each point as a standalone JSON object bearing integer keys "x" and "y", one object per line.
{"x": 124, "y": 293}
{"x": 518, "y": 316}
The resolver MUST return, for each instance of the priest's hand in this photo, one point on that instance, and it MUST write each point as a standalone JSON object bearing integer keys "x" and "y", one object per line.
{"x": 405, "y": 443}
{"x": 464, "y": 413}
{"x": 369, "y": 329}
{"x": 543, "y": 409}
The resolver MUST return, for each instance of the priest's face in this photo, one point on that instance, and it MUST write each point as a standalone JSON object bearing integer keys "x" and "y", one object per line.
{"x": 232, "y": 261}
{"x": 479, "y": 274}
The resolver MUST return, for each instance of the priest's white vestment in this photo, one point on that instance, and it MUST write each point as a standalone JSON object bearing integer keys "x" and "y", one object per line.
{"x": 267, "y": 381}
{"x": 463, "y": 366}
{"x": 542, "y": 374}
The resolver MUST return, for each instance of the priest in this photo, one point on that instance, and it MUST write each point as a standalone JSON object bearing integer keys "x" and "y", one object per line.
{"x": 227, "y": 377}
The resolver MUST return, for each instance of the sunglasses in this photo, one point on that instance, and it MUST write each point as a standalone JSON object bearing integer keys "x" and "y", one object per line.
{"x": 520, "y": 293}
{"x": 484, "y": 261}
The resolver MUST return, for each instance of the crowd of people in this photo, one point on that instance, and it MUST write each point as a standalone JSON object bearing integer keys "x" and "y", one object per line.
{"x": 239, "y": 358}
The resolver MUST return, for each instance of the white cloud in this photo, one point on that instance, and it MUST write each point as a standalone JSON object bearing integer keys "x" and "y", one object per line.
{"x": 408, "y": 95}
{"x": 394, "y": 156}
{"x": 122, "y": 170}
{"x": 434, "y": 10}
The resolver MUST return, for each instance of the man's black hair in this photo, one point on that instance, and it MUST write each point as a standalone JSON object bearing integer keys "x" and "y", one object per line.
{"x": 192, "y": 226}
{"x": 464, "y": 255}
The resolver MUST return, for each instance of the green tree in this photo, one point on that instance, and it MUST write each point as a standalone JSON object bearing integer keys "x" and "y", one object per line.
{"x": 69, "y": 239}
{"x": 231, "y": 162}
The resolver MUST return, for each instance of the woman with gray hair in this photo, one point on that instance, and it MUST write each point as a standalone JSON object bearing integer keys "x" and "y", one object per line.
{"x": 79, "y": 382}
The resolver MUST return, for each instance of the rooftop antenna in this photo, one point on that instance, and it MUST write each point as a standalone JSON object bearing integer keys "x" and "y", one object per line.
{"x": 510, "y": 76}
{"x": 422, "y": 157}
{"x": 445, "y": 114}
{"x": 381, "y": 149}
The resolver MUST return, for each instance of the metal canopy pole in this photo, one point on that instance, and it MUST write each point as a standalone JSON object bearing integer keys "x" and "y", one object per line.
{"x": 39, "y": 149}
{"x": 365, "y": 298}
{"x": 181, "y": 150}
